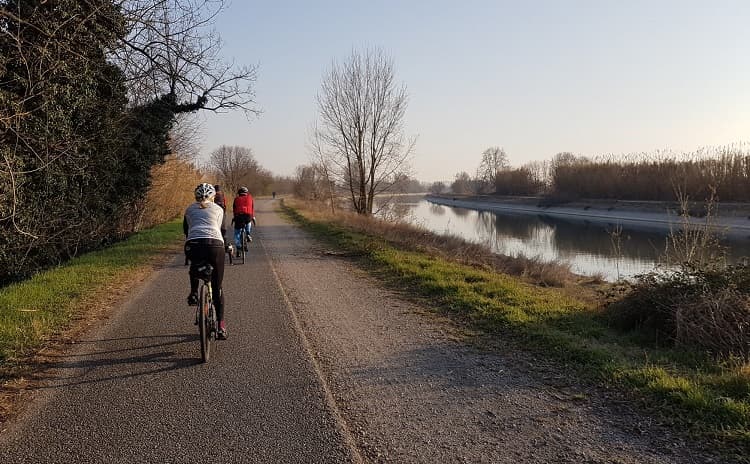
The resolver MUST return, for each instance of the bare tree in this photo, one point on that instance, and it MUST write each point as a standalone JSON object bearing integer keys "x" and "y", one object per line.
{"x": 324, "y": 165}
{"x": 494, "y": 159}
{"x": 307, "y": 183}
{"x": 462, "y": 184}
{"x": 162, "y": 47}
{"x": 360, "y": 133}
{"x": 437, "y": 187}
{"x": 172, "y": 49}
{"x": 230, "y": 164}
{"x": 564, "y": 158}
{"x": 185, "y": 137}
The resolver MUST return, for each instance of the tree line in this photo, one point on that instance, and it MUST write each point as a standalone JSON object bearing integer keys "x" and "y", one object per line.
{"x": 722, "y": 173}
{"x": 89, "y": 92}
{"x": 236, "y": 166}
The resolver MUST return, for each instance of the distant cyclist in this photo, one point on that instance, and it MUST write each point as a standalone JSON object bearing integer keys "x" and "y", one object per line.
{"x": 220, "y": 199}
{"x": 244, "y": 215}
{"x": 204, "y": 231}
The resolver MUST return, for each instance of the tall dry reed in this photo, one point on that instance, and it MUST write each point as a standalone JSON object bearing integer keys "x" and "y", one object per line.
{"x": 724, "y": 170}
{"x": 171, "y": 191}
{"x": 521, "y": 181}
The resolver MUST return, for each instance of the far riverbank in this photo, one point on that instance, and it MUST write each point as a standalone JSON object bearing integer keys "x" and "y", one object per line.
{"x": 731, "y": 220}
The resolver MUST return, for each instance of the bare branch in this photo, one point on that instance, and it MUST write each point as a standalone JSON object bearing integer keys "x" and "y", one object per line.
{"x": 171, "y": 48}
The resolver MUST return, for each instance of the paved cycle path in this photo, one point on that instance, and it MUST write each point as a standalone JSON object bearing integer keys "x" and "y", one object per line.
{"x": 133, "y": 389}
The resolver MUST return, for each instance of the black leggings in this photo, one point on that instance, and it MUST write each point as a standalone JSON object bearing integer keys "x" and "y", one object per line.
{"x": 198, "y": 251}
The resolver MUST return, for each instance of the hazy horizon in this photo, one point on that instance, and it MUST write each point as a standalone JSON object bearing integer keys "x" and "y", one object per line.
{"x": 536, "y": 78}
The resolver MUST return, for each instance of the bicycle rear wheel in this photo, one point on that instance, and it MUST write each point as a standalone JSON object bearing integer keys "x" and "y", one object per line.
{"x": 243, "y": 245}
{"x": 203, "y": 329}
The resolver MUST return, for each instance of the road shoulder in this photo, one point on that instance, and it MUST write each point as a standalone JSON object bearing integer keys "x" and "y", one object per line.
{"x": 411, "y": 389}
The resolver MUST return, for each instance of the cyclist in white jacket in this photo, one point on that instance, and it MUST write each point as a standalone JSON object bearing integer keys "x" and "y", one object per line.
{"x": 203, "y": 225}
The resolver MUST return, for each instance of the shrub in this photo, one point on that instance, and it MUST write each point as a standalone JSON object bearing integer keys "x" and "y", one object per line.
{"x": 703, "y": 307}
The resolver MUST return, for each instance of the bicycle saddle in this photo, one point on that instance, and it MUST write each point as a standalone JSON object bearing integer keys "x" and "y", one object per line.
{"x": 203, "y": 270}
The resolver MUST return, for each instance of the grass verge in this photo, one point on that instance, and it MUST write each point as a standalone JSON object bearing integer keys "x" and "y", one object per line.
{"x": 708, "y": 399}
{"x": 34, "y": 310}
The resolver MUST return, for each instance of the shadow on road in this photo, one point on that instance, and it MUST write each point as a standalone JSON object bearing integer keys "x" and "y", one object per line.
{"x": 119, "y": 358}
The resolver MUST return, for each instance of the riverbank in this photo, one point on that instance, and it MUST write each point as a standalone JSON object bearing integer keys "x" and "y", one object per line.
{"x": 695, "y": 394}
{"x": 731, "y": 220}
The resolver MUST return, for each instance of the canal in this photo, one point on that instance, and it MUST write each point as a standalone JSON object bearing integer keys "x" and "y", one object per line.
{"x": 590, "y": 248}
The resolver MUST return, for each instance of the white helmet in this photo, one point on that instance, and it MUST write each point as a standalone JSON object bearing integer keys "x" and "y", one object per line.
{"x": 204, "y": 191}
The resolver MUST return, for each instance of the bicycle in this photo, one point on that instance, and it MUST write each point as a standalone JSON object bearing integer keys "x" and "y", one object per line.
{"x": 243, "y": 244}
{"x": 229, "y": 249}
{"x": 244, "y": 238}
{"x": 205, "y": 313}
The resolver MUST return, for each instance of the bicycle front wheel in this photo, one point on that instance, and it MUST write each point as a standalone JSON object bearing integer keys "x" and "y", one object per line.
{"x": 203, "y": 329}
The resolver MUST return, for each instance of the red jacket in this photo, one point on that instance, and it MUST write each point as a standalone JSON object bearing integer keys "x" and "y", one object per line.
{"x": 243, "y": 204}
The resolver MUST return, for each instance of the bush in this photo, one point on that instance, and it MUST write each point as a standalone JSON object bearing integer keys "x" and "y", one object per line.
{"x": 704, "y": 307}
{"x": 521, "y": 181}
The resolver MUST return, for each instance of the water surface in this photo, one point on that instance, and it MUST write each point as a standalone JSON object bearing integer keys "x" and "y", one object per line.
{"x": 590, "y": 248}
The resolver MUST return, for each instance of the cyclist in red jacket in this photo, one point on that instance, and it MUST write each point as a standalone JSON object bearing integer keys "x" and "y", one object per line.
{"x": 244, "y": 215}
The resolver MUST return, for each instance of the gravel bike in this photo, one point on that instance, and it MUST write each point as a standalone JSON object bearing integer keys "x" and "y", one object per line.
{"x": 205, "y": 313}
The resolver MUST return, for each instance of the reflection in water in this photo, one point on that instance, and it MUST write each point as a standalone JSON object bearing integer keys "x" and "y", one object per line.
{"x": 396, "y": 211}
{"x": 589, "y": 247}
{"x": 437, "y": 210}
{"x": 461, "y": 212}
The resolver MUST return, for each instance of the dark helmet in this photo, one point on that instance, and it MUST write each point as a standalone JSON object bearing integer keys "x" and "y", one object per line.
{"x": 217, "y": 187}
{"x": 242, "y": 190}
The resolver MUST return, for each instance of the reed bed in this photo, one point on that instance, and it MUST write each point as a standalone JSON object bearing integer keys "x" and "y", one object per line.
{"x": 657, "y": 178}
{"x": 520, "y": 181}
{"x": 643, "y": 177}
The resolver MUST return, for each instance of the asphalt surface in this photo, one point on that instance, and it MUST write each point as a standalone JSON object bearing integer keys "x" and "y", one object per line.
{"x": 133, "y": 390}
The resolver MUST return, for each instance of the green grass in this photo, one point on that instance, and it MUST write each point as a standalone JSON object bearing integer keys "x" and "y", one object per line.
{"x": 35, "y": 309}
{"x": 700, "y": 395}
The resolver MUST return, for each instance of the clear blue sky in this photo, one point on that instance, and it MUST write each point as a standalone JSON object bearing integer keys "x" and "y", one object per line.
{"x": 536, "y": 77}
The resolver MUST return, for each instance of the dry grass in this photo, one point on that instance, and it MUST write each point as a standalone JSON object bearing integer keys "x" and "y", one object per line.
{"x": 703, "y": 309}
{"x": 719, "y": 322}
{"x": 701, "y": 303}
{"x": 414, "y": 238}
{"x": 172, "y": 186}
{"x": 657, "y": 176}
